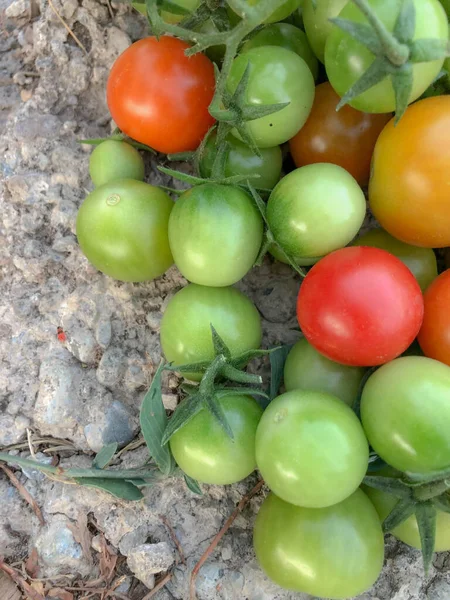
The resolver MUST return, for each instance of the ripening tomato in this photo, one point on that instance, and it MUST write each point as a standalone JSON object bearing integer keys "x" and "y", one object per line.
{"x": 408, "y": 190}
{"x": 316, "y": 19}
{"x": 360, "y": 306}
{"x": 405, "y": 412}
{"x": 335, "y": 552}
{"x": 346, "y": 137}
{"x": 160, "y": 97}
{"x": 114, "y": 159}
{"x": 311, "y": 449}
{"x": 434, "y": 336}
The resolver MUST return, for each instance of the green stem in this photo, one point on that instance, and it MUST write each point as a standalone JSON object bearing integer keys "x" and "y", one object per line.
{"x": 396, "y": 52}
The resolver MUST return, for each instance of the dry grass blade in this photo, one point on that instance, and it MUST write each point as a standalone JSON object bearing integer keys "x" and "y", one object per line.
{"x": 158, "y": 586}
{"x": 108, "y": 560}
{"x": 54, "y": 9}
{"x": 60, "y": 593}
{"x": 31, "y": 564}
{"x": 239, "y": 508}
{"x": 24, "y": 493}
{"x": 29, "y": 592}
{"x": 82, "y": 535}
{"x": 174, "y": 538}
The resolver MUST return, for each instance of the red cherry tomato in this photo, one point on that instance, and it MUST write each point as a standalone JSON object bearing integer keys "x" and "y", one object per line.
{"x": 160, "y": 97}
{"x": 434, "y": 336}
{"x": 360, "y": 306}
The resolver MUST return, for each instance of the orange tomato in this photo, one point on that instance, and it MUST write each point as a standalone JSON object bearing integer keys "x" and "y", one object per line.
{"x": 434, "y": 335}
{"x": 409, "y": 190}
{"x": 160, "y": 97}
{"x": 346, "y": 137}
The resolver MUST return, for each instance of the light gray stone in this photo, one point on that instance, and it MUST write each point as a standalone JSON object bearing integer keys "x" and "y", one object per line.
{"x": 148, "y": 559}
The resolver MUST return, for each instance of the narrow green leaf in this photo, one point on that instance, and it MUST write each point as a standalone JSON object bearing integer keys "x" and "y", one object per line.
{"x": 210, "y": 402}
{"x": 190, "y": 368}
{"x": 118, "y": 488}
{"x": 405, "y": 25}
{"x": 426, "y": 50}
{"x": 153, "y": 421}
{"x": 191, "y": 179}
{"x": 242, "y": 359}
{"x": 181, "y": 156}
{"x": 265, "y": 247}
{"x": 290, "y": 260}
{"x": 377, "y": 71}
{"x": 260, "y": 204}
{"x": 219, "y": 345}
{"x": 401, "y": 511}
{"x": 426, "y": 521}
{"x": 171, "y": 190}
{"x": 277, "y": 361}
{"x": 442, "y": 503}
{"x": 142, "y": 482}
{"x": 193, "y": 485}
{"x": 238, "y": 97}
{"x": 105, "y": 456}
{"x": 96, "y": 141}
{"x": 402, "y": 82}
{"x": 238, "y": 376}
{"x": 391, "y": 485}
{"x": 183, "y": 413}
{"x": 252, "y": 112}
{"x": 248, "y": 138}
{"x": 361, "y": 32}
{"x": 222, "y": 392}
{"x": 172, "y": 8}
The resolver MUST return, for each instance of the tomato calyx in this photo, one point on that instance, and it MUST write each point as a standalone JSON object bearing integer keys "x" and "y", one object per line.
{"x": 395, "y": 53}
{"x": 418, "y": 495}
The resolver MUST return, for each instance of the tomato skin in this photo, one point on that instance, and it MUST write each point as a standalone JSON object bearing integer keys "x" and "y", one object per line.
{"x": 346, "y": 137}
{"x": 346, "y": 59}
{"x": 326, "y": 434}
{"x": 112, "y": 160}
{"x": 122, "y": 229}
{"x": 410, "y": 176}
{"x": 360, "y": 306}
{"x": 434, "y": 335}
{"x": 242, "y": 160}
{"x": 279, "y": 14}
{"x": 215, "y": 233}
{"x": 314, "y": 210}
{"x": 335, "y": 552}
{"x": 203, "y": 450}
{"x": 306, "y": 369}
{"x": 160, "y": 97}
{"x": 277, "y": 75}
{"x": 288, "y": 36}
{"x": 186, "y": 324}
{"x": 420, "y": 261}
{"x": 318, "y": 26}
{"x": 405, "y": 411}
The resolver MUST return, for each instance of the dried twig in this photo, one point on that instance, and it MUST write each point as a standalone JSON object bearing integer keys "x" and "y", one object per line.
{"x": 174, "y": 538}
{"x": 55, "y": 10}
{"x": 20, "y": 581}
{"x": 31, "y": 565}
{"x": 239, "y": 508}
{"x": 30, "y": 444}
{"x": 24, "y": 493}
{"x": 158, "y": 586}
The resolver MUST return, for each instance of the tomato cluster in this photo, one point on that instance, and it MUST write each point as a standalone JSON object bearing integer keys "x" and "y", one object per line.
{"x": 284, "y": 166}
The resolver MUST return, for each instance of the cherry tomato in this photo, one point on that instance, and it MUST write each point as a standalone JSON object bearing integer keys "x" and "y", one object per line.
{"x": 287, "y": 36}
{"x": 203, "y": 450}
{"x": 346, "y": 137}
{"x": 241, "y": 160}
{"x": 113, "y": 160}
{"x": 405, "y": 411}
{"x": 215, "y": 233}
{"x": 420, "y": 261}
{"x": 160, "y": 97}
{"x": 360, "y": 306}
{"x": 122, "y": 230}
{"x": 335, "y": 552}
{"x": 347, "y": 59}
{"x": 314, "y": 210}
{"x": 326, "y": 434}
{"x": 277, "y": 75}
{"x": 316, "y": 19}
{"x": 186, "y": 324}
{"x": 278, "y": 15}
{"x": 434, "y": 336}
{"x": 306, "y": 369}
{"x": 408, "y": 190}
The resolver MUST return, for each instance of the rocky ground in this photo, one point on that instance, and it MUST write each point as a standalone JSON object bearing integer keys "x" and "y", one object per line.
{"x": 87, "y": 389}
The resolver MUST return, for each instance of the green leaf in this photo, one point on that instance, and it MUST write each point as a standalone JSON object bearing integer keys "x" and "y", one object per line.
{"x": 277, "y": 361}
{"x": 377, "y": 71}
{"x": 238, "y": 97}
{"x": 190, "y": 368}
{"x": 242, "y": 359}
{"x": 222, "y": 392}
{"x": 219, "y": 345}
{"x": 290, "y": 260}
{"x": 361, "y": 32}
{"x": 181, "y": 156}
{"x": 405, "y": 25}
{"x": 142, "y": 482}
{"x": 191, "y": 179}
{"x": 401, "y": 511}
{"x": 260, "y": 204}
{"x": 116, "y": 487}
{"x": 248, "y": 138}
{"x": 442, "y": 503}
{"x": 391, "y": 485}
{"x": 238, "y": 376}
{"x": 183, "y": 413}
{"x": 210, "y": 402}
{"x": 252, "y": 112}
{"x": 172, "y": 7}
{"x": 402, "y": 82}
{"x": 105, "y": 456}
{"x": 193, "y": 485}
{"x": 153, "y": 421}
{"x": 426, "y": 521}
{"x": 426, "y": 50}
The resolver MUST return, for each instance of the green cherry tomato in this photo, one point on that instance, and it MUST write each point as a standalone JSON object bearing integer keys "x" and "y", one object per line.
{"x": 276, "y": 76}
{"x": 241, "y": 160}
{"x": 405, "y": 411}
{"x": 204, "y": 451}
{"x": 113, "y": 160}
{"x": 420, "y": 261}
{"x": 307, "y": 369}
{"x": 215, "y": 233}
{"x": 335, "y": 552}
{"x": 287, "y": 36}
{"x": 279, "y": 14}
{"x": 408, "y": 531}
{"x": 186, "y": 324}
{"x": 328, "y": 437}
{"x": 122, "y": 229}
{"x": 346, "y": 59}
{"x": 314, "y": 210}
{"x": 446, "y": 5}
{"x": 316, "y": 20}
